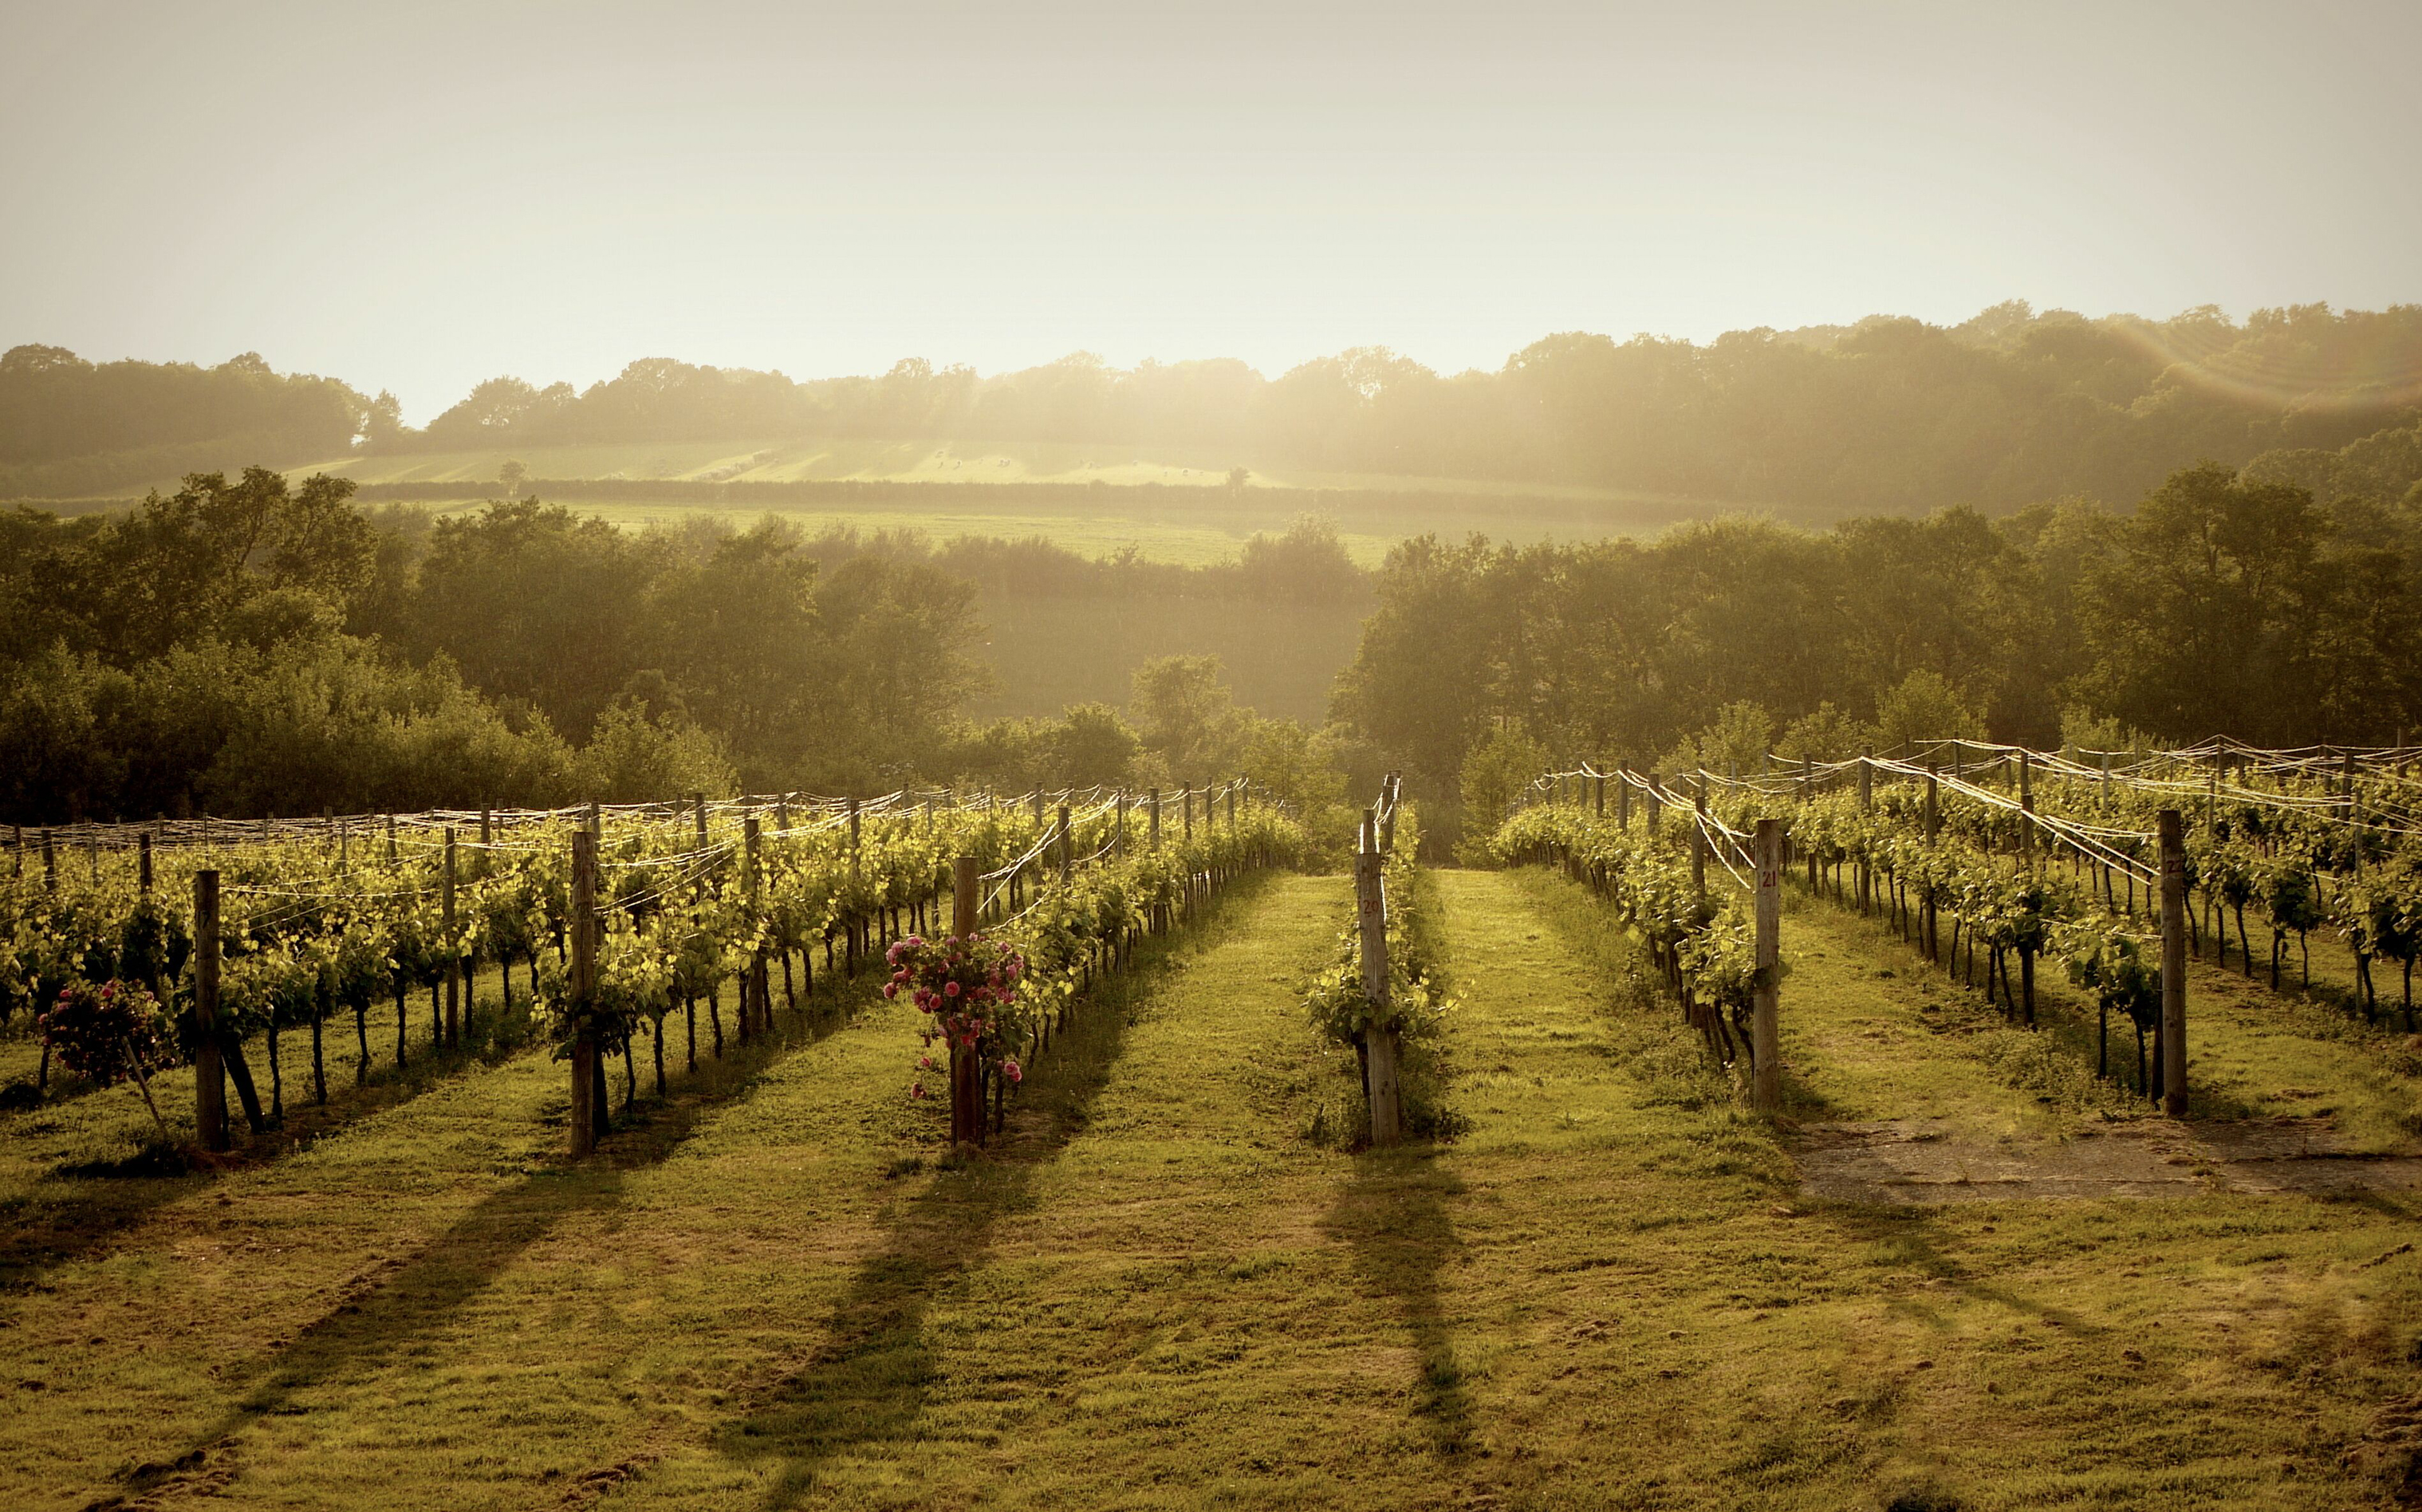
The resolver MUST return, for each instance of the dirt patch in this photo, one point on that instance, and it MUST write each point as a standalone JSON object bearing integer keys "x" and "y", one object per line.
{"x": 1921, "y": 1162}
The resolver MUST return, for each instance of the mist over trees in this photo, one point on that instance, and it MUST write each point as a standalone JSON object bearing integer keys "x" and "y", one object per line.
{"x": 1889, "y": 414}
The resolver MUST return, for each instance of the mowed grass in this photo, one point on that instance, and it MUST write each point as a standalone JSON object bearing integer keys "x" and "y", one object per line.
{"x": 1158, "y": 1291}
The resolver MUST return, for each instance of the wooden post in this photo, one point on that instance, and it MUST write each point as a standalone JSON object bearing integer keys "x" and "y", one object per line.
{"x": 585, "y": 1111}
{"x": 2027, "y": 807}
{"x": 1068, "y": 843}
{"x": 1699, "y": 848}
{"x": 1622, "y": 797}
{"x": 142, "y": 864}
{"x": 1866, "y": 781}
{"x": 1655, "y": 804}
{"x": 966, "y": 1068}
{"x": 210, "y": 1075}
{"x": 1766, "y": 1023}
{"x": 2172, "y": 827}
{"x": 1153, "y": 798}
{"x": 1119, "y": 833}
{"x": 390, "y": 840}
{"x": 1186, "y": 804}
{"x": 453, "y": 963}
{"x": 1232, "y": 805}
{"x": 756, "y": 997}
{"x": 1381, "y": 1090}
{"x": 50, "y": 863}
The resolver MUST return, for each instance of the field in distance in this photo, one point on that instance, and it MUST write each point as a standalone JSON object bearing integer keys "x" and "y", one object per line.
{"x": 1191, "y": 516}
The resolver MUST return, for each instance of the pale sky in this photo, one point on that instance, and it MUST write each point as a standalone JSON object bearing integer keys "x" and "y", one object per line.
{"x": 417, "y": 197}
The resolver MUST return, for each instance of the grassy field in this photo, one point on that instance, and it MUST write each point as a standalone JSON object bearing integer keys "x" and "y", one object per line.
{"x": 1189, "y": 519}
{"x": 940, "y": 462}
{"x": 1161, "y": 1291}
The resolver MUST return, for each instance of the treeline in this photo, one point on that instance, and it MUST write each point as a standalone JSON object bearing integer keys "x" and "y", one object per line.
{"x": 244, "y": 647}
{"x": 2010, "y": 409}
{"x": 69, "y": 427}
{"x": 1306, "y": 563}
{"x": 2225, "y": 603}
{"x": 1889, "y": 415}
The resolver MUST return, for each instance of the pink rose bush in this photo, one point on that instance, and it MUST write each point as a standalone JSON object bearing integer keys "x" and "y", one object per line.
{"x": 968, "y": 988}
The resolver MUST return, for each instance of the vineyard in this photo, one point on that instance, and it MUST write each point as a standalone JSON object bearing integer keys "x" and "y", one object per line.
{"x": 1896, "y": 1132}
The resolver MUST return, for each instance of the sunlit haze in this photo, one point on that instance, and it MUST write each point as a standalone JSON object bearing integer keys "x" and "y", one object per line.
{"x": 419, "y": 197}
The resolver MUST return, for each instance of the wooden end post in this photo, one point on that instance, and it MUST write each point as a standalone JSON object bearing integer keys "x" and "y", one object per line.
{"x": 967, "y": 1070}
{"x": 453, "y": 963}
{"x": 585, "y": 1111}
{"x": 1766, "y": 1022}
{"x": 1382, "y": 1091}
{"x": 210, "y": 1074}
{"x": 2172, "y": 827}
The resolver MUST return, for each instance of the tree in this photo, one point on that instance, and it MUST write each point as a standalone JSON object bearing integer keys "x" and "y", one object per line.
{"x": 510, "y": 475}
{"x": 1735, "y": 744}
{"x": 1924, "y": 707}
{"x": 2203, "y": 624}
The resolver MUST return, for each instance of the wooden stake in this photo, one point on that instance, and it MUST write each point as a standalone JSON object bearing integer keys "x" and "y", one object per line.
{"x": 210, "y": 1075}
{"x": 2174, "y": 962}
{"x": 1382, "y": 1089}
{"x": 453, "y": 962}
{"x": 585, "y": 1111}
{"x": 967, "y": 1069}
{"x": 1766, "y": 1023}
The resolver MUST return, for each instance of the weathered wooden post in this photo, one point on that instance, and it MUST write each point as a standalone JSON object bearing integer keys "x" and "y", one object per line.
{"x": 1381, "y": 1090}
{"x": 966, "y": 1068}
{"x": 1068, "y": 844}
{"x": 1929, "y": 921}
{"x": 756, "y": 996}
{"x": 1765, "y": 1022}
{"x": 1655, "y": 804}
{"x": 855, "y": 929}
{"x": 50, "y": 863}
{"x": 210, "y": 1075}
{"x": 453, "y": 961}
{"x": 1699, "y": 848}
{"x": 1623, "y": 798}
{"x": 2027, "y": 808}
{"x": 1597, "y": 795}
{"x": 142, "y": 864}
{"x": 1232, "y": 805}
{"x": 1185, "y": 803}
{"x": 2172, "y": 827}
{"x": 1153, "y": 798}
{"x": 585, "y": 1115}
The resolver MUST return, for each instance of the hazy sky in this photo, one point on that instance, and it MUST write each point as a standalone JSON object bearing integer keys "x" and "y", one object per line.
{"x": 417, "y": 197}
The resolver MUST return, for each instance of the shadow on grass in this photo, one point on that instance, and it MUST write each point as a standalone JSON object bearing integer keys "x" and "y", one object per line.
{"x": 1912, "y": 1240}
{"x": 1394, "y": 1216}
{"x": 82, "y": 1207}
{"x": 875, "y": 1377}
{"x": 385, "y": 1309}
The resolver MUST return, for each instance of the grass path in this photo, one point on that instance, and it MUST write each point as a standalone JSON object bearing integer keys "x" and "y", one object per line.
{"x": 1159, "y": 1291}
